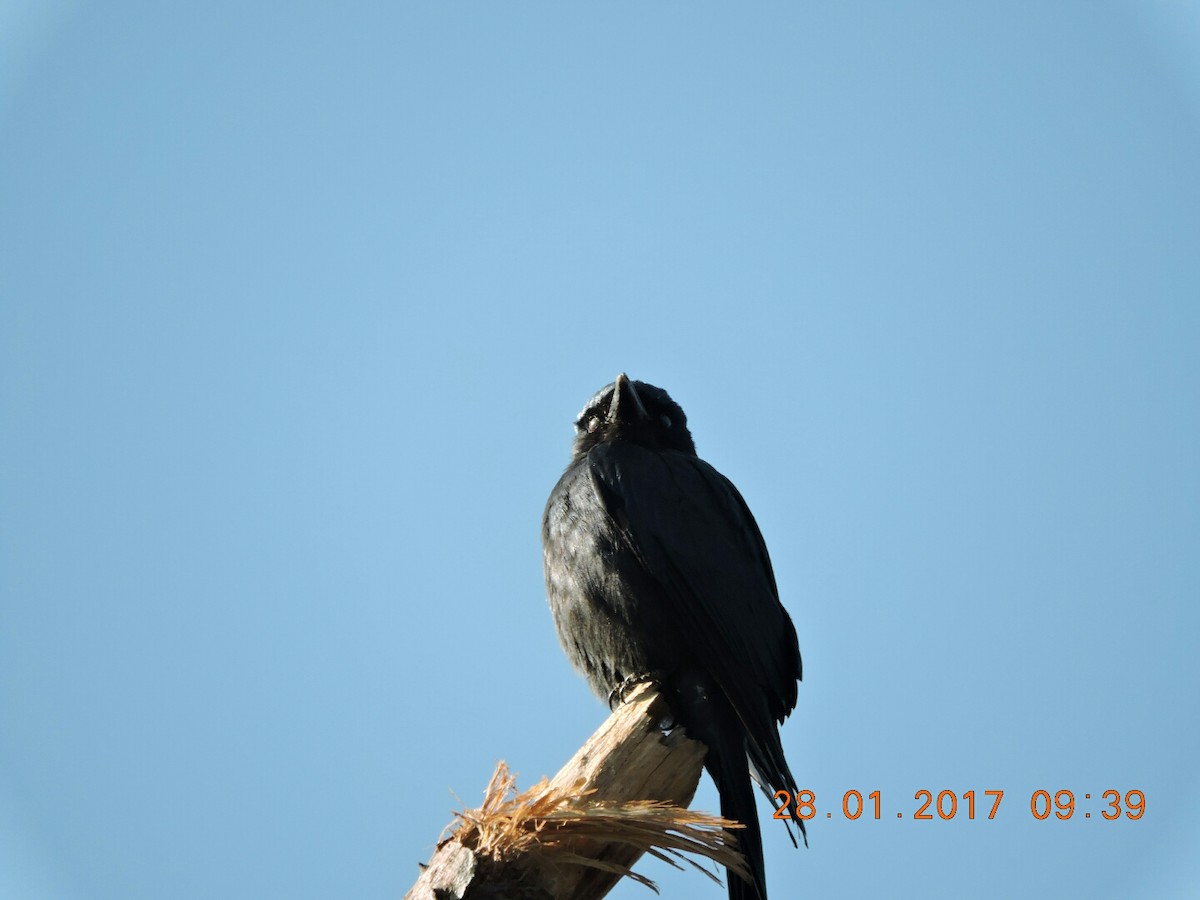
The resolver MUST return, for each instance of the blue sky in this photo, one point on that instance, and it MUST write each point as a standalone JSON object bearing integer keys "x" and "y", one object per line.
{"x": 297, "y": 305}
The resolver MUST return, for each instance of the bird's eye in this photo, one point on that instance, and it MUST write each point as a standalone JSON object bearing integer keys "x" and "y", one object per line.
{"x": 592, "y": 424}
{"x": 665, "y": 420}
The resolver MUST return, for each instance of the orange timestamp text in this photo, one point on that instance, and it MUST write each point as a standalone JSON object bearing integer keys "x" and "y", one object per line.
{"x": 945, "y": 805}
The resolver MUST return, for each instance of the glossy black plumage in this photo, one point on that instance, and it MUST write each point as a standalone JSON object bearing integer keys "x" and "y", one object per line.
{"x": 655, "y": 567}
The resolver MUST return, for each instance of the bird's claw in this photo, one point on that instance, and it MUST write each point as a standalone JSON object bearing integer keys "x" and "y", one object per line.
{"x": 618, "y": 695}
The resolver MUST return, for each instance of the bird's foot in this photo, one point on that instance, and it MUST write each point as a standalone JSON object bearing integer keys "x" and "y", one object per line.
{"x": 621, "y": 692}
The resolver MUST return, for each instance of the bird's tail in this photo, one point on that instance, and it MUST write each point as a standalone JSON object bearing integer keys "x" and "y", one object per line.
{"x": 708, "y": 717}
{"x": 732, "y": 777}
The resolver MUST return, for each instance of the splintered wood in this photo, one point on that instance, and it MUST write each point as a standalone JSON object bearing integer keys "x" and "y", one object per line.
{"x": 624, "y": 793}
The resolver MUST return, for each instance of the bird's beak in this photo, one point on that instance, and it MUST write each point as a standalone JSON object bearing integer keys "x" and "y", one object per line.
{"x": 623, "y": 387}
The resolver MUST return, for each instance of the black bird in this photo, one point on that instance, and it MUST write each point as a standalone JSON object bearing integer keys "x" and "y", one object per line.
{"x": 656, "y": 570}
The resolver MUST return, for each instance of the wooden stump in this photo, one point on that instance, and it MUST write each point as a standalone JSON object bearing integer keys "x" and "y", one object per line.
{"x": 624, "y": 793}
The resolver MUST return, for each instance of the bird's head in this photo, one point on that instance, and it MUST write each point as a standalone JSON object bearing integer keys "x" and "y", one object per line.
{"x": 636, "y": 412}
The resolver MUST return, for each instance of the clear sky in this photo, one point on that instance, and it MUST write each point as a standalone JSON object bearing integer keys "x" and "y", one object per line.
{"x": 297, "y": 305}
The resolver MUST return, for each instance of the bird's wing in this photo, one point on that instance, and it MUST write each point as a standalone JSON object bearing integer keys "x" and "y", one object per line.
{"x": 695, "y": 537}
